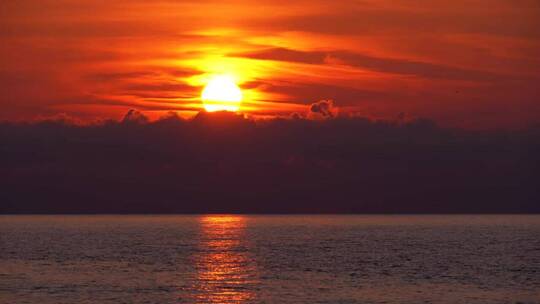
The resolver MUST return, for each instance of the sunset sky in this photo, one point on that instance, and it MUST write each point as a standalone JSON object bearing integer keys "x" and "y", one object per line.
{"x": 461, "y": 63}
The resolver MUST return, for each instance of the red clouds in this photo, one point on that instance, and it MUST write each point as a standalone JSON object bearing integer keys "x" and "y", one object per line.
{"x": 456, "y": 62}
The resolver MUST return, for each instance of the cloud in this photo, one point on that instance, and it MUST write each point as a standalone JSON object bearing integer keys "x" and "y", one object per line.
{"x": 378, "y": 64}
{"x": 134, "y": 117}
{"x": 409, "y": 18}
{"x": 380, "y": 56}
{"x": 223, "y": 162}
{"x": 323, "y": 109}
{"x": 116, "y": 76}
{"x": 159, "y": 87}
{"x": 346, "y": 95}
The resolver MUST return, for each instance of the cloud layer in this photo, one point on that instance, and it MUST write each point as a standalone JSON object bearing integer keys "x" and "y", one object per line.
{"x": 453, "y": 61}
{"x": 226, "y": 163}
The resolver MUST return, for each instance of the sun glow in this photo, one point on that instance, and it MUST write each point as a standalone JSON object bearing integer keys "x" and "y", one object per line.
{"x": 221, "y": 93}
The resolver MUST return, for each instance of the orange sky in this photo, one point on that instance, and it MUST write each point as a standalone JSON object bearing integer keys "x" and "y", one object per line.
{"x": 462, "y": 63}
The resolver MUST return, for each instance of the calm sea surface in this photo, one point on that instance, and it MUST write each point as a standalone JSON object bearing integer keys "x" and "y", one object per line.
{"x": 270, "y": 259}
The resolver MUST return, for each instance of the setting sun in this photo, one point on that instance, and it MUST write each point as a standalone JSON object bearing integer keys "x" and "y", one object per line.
{"x": 221, "y": 94}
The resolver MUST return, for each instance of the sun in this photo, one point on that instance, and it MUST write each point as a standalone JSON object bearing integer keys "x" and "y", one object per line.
{"x": 221, "y": 93}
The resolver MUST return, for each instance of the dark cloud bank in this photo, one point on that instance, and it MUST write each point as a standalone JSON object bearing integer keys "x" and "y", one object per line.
{"x": 225, "y": 163}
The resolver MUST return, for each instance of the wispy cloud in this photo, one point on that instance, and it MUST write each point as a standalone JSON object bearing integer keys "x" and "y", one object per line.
{"x": 449, "y": 60}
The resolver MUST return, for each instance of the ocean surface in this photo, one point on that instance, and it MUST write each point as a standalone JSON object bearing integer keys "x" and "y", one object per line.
{"x": 270, "y": 259}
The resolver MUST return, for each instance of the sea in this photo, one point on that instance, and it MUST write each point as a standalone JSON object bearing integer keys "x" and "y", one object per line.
{"x": 269, "y": 259}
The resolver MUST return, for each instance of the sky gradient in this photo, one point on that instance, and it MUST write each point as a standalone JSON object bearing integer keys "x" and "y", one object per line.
{"x": 471, "y": 64}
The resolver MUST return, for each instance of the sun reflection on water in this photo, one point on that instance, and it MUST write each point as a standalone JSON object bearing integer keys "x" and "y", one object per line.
{"x": 226, "y": 274}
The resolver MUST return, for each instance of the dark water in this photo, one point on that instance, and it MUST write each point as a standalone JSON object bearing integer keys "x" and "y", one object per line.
{"x": 269, "y": 259}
